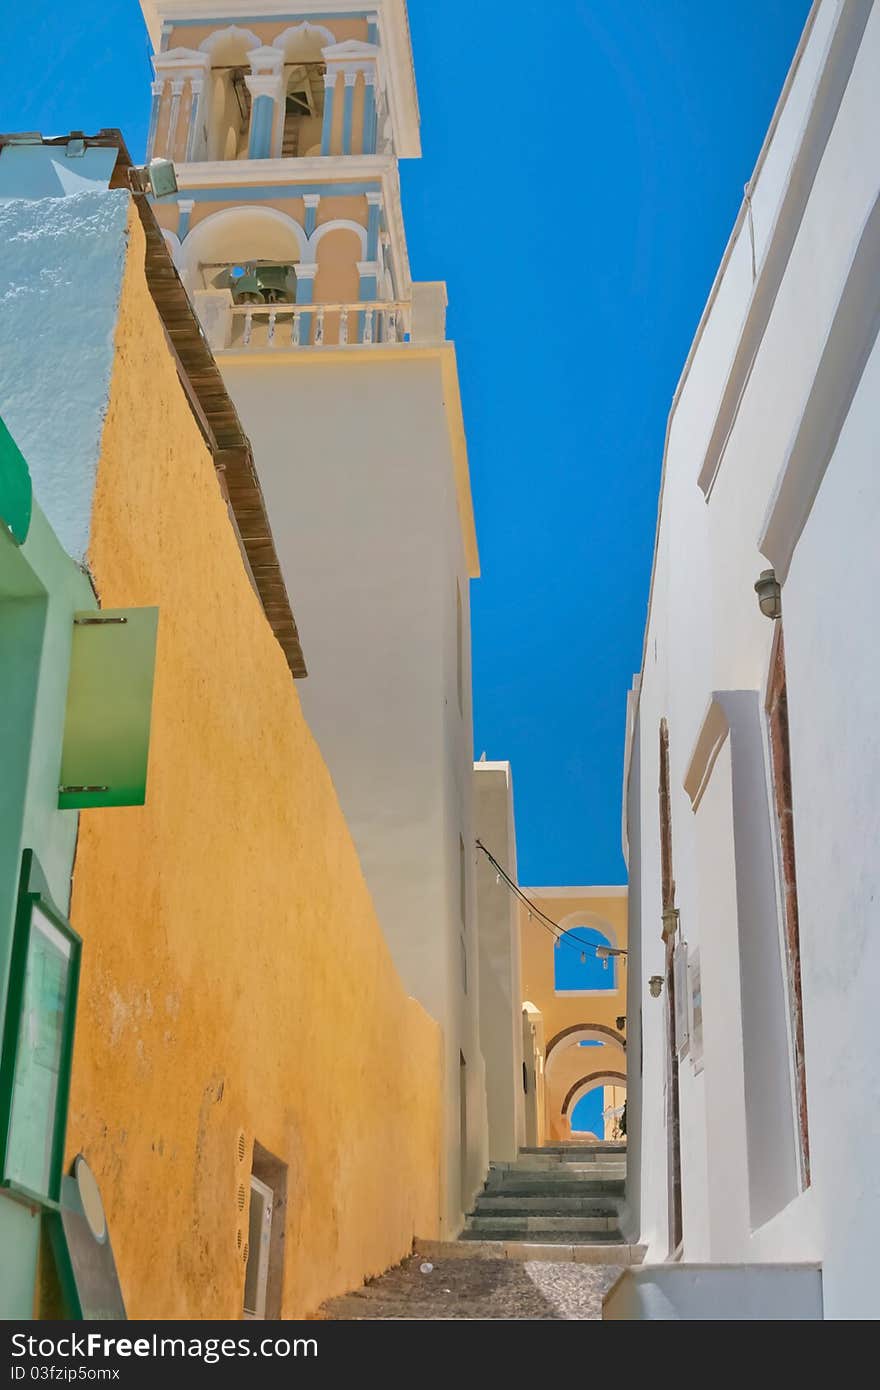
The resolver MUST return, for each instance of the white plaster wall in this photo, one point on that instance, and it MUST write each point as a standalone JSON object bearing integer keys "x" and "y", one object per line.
{"x": 60, "y": 280}
{"x": 705, "y": 634}
{"x": 832, "y": 662}
{"x": 355, "y": 462}
{"x": 500, "y": 985}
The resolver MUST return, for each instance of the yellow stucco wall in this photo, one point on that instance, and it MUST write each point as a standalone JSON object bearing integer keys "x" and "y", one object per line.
{"x": 566, "y": 1063}
{"x": 235, "y": 978}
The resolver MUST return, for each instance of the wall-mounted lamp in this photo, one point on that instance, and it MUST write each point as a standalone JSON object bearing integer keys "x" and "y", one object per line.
{"x": 769, "y": 592}
{"x": 670, "y": 917}
{"x": 621, "y": 1022}
{"x": 158, "y": 177}
{"x": 655, "y": 985}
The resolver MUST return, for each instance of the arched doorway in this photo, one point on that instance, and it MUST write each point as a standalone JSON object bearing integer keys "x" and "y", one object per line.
{"x": 594, "y": 1105}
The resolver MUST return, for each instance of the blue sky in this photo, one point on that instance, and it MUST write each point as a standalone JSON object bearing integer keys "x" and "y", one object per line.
{"x": 583, "y": 164}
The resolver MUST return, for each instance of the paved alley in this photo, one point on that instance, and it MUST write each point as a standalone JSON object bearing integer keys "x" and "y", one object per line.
{"x": 479, "y": 1288}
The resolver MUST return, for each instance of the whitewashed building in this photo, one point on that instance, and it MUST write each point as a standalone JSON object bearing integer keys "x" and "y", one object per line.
{"x": 754, "y": 1068}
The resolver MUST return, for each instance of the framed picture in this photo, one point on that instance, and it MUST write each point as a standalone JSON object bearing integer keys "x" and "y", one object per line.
{"x": 682, "y": 1006}
{"x": 37, "y": 1042}
{"x": 695, "y": 993}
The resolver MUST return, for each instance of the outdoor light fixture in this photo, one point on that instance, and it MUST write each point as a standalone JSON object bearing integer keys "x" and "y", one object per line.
{"x": 670, "y": 917}
{"x": 655, "y": 985}
{"x": 769, "y": 592}
{"x": 621, "y": 1022}
{"x": 602, "y": 954}
{"x": 158, "y": 177}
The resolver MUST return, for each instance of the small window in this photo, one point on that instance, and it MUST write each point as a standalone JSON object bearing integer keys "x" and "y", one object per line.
{"x": 256, "y": 1281}
{"x": 695, "y": 1010}
{"x": 582, "y": 962}
{"x": 682, "y": 998}
{"x": 264, "y": 1236}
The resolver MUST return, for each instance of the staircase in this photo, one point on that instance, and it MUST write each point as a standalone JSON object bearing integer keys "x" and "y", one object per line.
{"x": 560, "y": 1195}
{"x": 543, "y": 1241}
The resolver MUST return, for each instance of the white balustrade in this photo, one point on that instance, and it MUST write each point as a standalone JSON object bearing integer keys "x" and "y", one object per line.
{"x": 264, "y": 326}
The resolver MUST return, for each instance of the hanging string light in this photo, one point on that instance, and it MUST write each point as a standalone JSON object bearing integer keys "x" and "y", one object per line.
{"x": 559, "y": 933}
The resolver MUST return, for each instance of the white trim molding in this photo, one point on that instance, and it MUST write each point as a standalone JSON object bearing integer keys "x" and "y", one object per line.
{"x": 286, "y": 40}
{"x": 182, "y": 63}
{"x": 232, "y": 31}
{"x": 246, "y": 215}
{"x": 848, "y": 346}
{"x": 341, "y": 224}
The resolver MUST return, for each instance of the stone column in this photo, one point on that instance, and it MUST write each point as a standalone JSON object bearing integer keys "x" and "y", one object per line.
{"x": 305, "y": 289}
{"x": 374, "y": 204}
{"x": 369, "y": 146}
{"x": 329, "y": 102}
{"x": 184, "y": 211}
{"x": 157, "y": 88}
{"x": 193, "y": 132}
{"x": 311, "y": 201}
{"x": 176, "y": 93}
{"x": 381, "y": 114}
{"x": 369, "y": 283}
{"x": 265, "y": 82}
{"x": 262, "y": 123}
{"x": 348, "y": 111}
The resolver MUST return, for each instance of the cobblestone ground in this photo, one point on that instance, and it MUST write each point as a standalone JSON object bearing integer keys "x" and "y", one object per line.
{"x": 480, "y": 1288}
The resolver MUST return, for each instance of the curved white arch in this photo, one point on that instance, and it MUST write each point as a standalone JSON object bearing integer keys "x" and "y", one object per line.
{"x": 340, "y": 225}
{"x": 304, "y": 41}
{"x": 283, "y": 236}
{"x": 173, "y": 242}
{"x": 590, "y": 919}
{"x": 611, "y": 1051}
{"x": 233, "y": 34}
{"x": 597, "y": 1079}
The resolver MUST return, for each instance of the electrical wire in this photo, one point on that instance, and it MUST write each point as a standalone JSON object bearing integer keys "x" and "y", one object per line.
{"x": 559, "y": 934}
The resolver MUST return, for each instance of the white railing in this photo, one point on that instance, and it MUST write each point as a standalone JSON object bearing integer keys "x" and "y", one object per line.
{"x": 319, "y": 325}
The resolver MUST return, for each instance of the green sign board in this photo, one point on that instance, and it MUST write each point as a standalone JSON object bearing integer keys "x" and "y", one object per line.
{"x": 109, "y": 705}
{"x": 37, "y": 1042}
{"x": 16, "y": 494}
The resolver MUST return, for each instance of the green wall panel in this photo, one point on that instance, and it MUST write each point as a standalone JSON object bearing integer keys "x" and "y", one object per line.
{"x": 109, "y": 704}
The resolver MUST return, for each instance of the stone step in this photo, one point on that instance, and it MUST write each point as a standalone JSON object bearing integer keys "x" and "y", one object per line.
{"x": 536, "y": 1163}
{"x": 444, "y": 1308}
{"x": 552, "y": 1204}
{"x": 606, "y": 1147}
{"x": 352, "y": 1308}
{"x": 566, "y": 1170}
{"x": 516, "y": 1186}
{"x": 514, "y": 1225}
{"x": 581, "y": 1252}
{"x": 500, "y": 1231}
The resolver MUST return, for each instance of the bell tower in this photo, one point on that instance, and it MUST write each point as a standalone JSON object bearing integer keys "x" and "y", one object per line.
{"x": 285, "y": 125}
{"x": 299, "y": 122}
